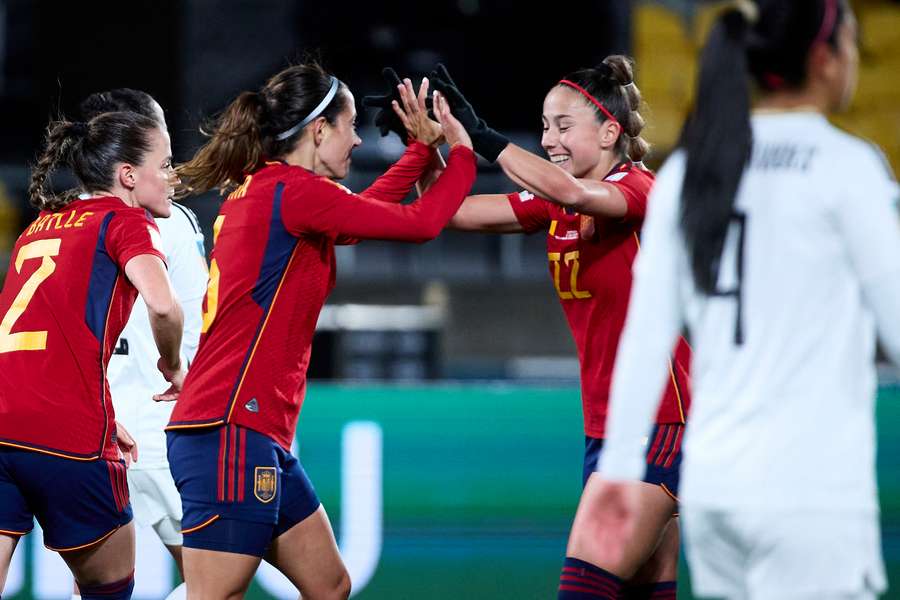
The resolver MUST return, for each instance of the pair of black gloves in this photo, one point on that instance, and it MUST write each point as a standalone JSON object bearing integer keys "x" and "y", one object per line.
{"x": 485, "y": 141}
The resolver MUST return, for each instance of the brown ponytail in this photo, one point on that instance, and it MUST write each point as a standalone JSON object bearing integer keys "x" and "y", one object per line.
{"x": 249, "y": 130}
{"x": 634, "y": 146}
{"x": 92, "y": 150}
{"x": 60, "y": 139}
{"x": 234, "y": 148}
{"x": 612, "y": 84}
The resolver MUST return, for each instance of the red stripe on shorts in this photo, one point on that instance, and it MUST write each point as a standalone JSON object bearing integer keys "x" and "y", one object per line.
{"x": 113, "y": 485}
{"x": 125, "y": 495}
{"x": 655, "y": 447}
{"x": 676, "y": 447}
{"x": 243, "y": 455}
{"x": 664, "y": 447}
{"x": 231, "y": 460}
{"x": 221, "y": 464}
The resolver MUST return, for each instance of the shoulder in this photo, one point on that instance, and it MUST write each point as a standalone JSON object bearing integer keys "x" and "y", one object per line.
{"x": 299, "y": 180}
{"x": 182, "y": 219}
{"x": 865, "y": 154}
{"x": 128, "y": 216}
{"x": 630, "y": 177}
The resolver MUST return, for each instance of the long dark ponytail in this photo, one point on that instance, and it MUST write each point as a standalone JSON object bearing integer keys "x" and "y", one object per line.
{"x": 92, "y": 150}
{"x": 769, "y": 40}
{"x": 718, "y": 141}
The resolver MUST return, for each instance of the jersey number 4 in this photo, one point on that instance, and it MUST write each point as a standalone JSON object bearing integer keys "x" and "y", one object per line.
{"x": 28, "y": 340}
{"x": 731, "y": 285}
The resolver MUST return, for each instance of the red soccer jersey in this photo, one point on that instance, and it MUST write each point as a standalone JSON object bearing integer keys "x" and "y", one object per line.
{"x": 590, "y": 263}
{"x": 64, "y": 302}
{"x": 272, "y": 268}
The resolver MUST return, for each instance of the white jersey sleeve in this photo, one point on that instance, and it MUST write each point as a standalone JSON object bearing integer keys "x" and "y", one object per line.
{"x": 870, "y": 227}
{"x": 132, "y": 373}
{"x": 653, "y": 324}
{"x": 188, "y": 273}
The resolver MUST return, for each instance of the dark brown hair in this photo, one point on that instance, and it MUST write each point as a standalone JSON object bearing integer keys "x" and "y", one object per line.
{"x": 92, "y": 151}
{"x": 245, "y": 133}
{"x": 612, "y": 84}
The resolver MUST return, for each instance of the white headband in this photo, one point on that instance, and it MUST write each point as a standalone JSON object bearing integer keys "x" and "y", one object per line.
{"x": 315, "y": 112}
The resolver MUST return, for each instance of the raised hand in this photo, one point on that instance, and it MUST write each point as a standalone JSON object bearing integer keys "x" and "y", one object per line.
{"x": 487, "y": 142}
{"x": 414, "y": 114}
{"x": 386, "y": 118}
{"x": 453, "y": 129}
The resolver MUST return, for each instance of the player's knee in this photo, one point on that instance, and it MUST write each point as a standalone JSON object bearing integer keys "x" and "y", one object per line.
{"x": 336, "y": 588}
{"x": 341, "y": 589}
{"x": 117, "y": 590}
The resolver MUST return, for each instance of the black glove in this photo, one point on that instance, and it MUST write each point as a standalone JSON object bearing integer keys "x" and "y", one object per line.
{"x": 486, "y": 142}
{"x": 386, "y": 120}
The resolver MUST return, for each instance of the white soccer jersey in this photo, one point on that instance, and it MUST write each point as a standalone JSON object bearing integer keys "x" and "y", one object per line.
{"x": 133, "y": 376}
{"x": 783, "y": 364}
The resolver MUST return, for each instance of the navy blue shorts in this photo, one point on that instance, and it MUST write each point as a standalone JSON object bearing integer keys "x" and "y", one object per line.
{"x": 663, "y": 457}
{"x": 239, "y": 489}
{"x": 77, "y": 503}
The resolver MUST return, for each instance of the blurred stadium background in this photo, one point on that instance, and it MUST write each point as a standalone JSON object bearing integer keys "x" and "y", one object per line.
{"x": 444, "y": 432}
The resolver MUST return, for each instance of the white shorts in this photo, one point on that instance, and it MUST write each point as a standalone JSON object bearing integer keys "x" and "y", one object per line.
{"x": 772, "y": 555}
{"x": 156, "y": 503}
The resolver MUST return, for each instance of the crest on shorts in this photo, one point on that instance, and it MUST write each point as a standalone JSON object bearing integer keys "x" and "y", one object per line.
{"x": 265, "y": 483}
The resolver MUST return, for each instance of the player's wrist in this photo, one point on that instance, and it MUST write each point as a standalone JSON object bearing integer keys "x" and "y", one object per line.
{"x": 172, "y": 365}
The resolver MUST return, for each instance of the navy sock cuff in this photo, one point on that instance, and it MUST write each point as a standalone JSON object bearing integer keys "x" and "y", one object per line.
{"x": 580, "y": 580}
{"x": 117, "y": 590}
{"x": 661, "y": 590}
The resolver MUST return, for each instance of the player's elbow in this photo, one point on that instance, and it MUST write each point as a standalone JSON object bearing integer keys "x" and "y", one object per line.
{"x": 429, "y": 231}
{"x": 162, "y": 306}
{"x": 573, "y": 196}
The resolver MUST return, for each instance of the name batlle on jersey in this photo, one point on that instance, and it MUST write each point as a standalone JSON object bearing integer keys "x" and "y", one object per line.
{"x": 59, "y": 220}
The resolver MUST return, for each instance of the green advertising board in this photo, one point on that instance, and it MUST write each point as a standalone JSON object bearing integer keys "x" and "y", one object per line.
{"x": 441, "y": 492}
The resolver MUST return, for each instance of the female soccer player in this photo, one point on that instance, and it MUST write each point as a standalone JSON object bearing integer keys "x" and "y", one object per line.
{"x": 774, "y": 237}
{"x": 244, "y": 495}
{"x": 590, "y": 197}
{"x": 73, "y": 277}
{"x": 133, "y": 377}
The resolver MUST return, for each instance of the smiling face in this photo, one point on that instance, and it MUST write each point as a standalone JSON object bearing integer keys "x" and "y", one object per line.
{"x": 338, "y": 142}
{"x": 574, "y": 138}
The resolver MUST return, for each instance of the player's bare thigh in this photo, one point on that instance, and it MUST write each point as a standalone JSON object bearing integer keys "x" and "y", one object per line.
{"x": 308, "y": 555}
{"x": 656, "y": 509}
{"x": 104, "y": 562}
{"x": 211, "y": 574}
{"x": 7, "y": 547}
{"x": 663, "y": 563}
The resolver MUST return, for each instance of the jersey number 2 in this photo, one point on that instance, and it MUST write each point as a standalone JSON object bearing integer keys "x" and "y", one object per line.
{"x": 28, "y": 340}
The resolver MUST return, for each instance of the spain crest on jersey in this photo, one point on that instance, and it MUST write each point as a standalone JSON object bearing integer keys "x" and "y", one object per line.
{"x": 265, "y": 483}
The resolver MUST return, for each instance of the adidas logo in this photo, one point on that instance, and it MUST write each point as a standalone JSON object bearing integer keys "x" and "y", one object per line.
{"x": 252, "y": 405}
